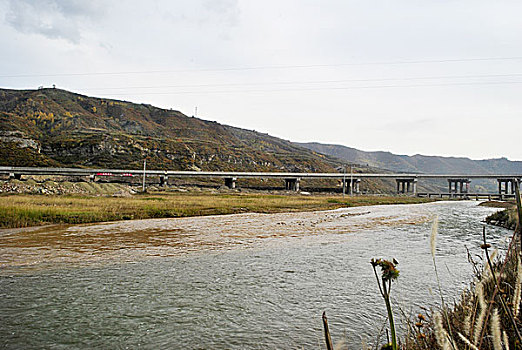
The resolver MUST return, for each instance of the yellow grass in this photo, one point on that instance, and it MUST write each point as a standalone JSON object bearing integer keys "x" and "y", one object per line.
{"x": 32, "y": 210}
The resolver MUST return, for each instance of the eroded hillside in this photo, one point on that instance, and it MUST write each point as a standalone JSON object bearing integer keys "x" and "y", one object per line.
{"x": 53, "y": 127}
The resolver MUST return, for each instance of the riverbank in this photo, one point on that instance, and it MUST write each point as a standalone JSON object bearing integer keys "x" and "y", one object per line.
{"x": 506, "y": 218}
{"x": 35, "y": 210}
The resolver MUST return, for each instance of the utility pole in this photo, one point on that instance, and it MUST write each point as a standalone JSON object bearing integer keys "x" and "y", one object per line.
{"x": 144, "y": 167}
{"x": 351, "y": 180}
{"x": 344, "y": 180}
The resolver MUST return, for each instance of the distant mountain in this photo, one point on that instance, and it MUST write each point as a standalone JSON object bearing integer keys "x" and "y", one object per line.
{"x": 418, "y": 163}
{"x": 423, "y": 164}
{"x": 53, "y": 127}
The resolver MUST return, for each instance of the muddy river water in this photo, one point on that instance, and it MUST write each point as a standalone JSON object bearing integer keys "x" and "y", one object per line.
{"x": 247, "y": 281}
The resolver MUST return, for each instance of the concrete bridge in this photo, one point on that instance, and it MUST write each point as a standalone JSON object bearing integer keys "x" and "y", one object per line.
{"x": 458, "y": 185}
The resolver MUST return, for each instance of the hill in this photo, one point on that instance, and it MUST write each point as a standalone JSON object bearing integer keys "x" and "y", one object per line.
{"x": 53, "y": 127}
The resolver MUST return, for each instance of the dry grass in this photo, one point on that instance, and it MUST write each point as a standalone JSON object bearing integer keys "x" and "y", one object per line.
{"x": 32, "y": 210}
{"x": 478, "y": 320}
{"x": 505, "y": 218}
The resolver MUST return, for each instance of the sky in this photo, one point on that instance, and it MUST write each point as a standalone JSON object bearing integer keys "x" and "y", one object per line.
{"x": 410, "y": 77}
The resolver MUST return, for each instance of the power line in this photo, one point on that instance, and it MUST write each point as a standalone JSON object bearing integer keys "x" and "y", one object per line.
{"x": 310, "y": 82}
{"x": 265, "y": 67}
{"x": 323, "y": 88}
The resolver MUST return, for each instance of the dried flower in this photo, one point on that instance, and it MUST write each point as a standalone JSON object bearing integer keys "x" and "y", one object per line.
{"x": 518, "y": 289}
{"x": 506, "y": 340}
{"x": 433, "y": 238}
{"x": 389, "y": 271}
{"x": 495, "y": 330}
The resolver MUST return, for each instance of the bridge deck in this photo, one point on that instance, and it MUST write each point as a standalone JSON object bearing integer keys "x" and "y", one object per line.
{"x": 134, "y": 172}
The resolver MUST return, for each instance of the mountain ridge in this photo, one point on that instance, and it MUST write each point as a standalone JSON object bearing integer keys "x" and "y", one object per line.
{"x": 418, "y": 163}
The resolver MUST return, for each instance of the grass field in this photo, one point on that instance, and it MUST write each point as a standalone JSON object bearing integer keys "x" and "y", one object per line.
{"x": 33, "y": 210}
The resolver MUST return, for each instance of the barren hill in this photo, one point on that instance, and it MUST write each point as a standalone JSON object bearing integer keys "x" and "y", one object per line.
{"x": 59, "y": 128}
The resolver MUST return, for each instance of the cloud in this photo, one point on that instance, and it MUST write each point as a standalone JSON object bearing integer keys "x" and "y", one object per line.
{"x": 54, "y": 19}
{"x": 228, "y": 10}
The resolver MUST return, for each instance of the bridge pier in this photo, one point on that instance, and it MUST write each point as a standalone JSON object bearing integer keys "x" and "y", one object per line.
{"x": 292, "y": 184}
{"x": 406, "y": 186}
{"x": 230, "y": 182}
{"x": 164, "y": 180}
{"x": 507, "y": 186}
{"x": 15, "y": 176}
{"x": 458, "y": 186}
{"x": 355, "y": 186}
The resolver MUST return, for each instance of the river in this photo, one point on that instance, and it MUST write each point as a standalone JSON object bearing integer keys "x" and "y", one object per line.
{"x": 246, "y": 281}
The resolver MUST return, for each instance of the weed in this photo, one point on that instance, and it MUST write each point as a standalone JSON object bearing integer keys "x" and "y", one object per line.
{"x": 389, "y": 273}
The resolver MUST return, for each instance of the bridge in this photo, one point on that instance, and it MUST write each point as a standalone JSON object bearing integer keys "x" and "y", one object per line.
{"x": 458, "y": 185}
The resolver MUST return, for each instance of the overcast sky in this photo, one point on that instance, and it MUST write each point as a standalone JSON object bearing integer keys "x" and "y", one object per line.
{"x": 410, "y": 77}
